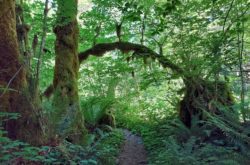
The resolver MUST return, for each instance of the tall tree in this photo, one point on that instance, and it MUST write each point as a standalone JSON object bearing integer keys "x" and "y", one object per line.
{"x": 13, "y": 83}
{"x": 66, "y": 116}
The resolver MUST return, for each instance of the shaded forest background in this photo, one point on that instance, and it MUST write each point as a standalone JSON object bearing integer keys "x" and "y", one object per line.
{"x": 175, "y": 72}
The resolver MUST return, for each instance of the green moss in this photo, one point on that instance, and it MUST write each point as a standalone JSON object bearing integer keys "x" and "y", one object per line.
{"x": 66, "y": 12}
{"x": 202, "y": 95}
{"x": 67, "y": 119}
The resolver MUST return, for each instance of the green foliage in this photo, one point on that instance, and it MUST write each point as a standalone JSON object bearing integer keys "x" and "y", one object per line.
{"x": 199, "y": 36}
{"x": 172, "y": 143}
{"x": 7, "y": 116}
{"x": 109, "y": 147}
{"x": 14, "y": 151}
{"x": 102, "y": 148}
{"x": 101, "y": 152}
{"x": 66, "y": 11}
{"x": 95, "y": 108}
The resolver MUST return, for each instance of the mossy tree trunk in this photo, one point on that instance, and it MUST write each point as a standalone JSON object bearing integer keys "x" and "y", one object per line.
{"x": 203, "y": 95}
{"x": 13, "y": 83}
{"x": 67, "y": 118}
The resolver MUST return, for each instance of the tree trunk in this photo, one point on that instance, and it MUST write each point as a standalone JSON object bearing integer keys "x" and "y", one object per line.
{"x": 67, "y": 118}
{"x": 13, "y": 84}
{"x": 202, "y": 96}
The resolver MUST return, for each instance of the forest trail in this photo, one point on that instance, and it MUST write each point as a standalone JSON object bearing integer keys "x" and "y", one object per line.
{"x": 133, "y": 151}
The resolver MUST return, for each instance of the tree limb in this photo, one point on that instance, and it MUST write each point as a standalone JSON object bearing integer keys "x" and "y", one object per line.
{"x": 139, "y": 50}
{"x": 9, "y": 83}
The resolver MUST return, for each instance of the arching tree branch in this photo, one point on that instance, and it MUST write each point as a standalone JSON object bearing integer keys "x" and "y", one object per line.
{"x": 139, "y": 50}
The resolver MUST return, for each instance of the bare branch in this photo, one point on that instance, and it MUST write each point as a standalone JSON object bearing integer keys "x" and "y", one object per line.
{"x": 42, "y": 45}
{"x": 7, "y": 87}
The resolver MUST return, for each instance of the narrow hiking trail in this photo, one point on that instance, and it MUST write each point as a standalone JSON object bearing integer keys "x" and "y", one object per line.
{"x": 133, "y": 151}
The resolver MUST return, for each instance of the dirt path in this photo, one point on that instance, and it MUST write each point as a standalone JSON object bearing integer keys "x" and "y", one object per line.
{"x": 133, "y": 151}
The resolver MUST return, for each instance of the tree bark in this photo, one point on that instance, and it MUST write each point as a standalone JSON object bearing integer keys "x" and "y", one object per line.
{"x": 67, "y": 115}
{"x": 203, "y": 95}
{"x": 13, "y": 83}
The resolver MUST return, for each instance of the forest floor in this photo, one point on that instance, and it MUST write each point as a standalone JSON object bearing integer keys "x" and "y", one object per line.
{"x": 133, "y": 151}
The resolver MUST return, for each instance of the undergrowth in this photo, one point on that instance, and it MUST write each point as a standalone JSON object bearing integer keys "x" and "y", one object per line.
{"x": 217, "y": 140}
{"x": 170, "y": 142}
{"x": 103, "y": 148}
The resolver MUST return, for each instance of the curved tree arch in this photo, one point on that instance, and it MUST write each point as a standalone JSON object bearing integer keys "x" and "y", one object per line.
{"x": 199, "y": 94}
{"x": 138, "y": 49}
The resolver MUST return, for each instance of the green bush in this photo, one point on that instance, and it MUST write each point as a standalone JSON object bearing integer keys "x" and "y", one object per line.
{"x": 103, "y": 148}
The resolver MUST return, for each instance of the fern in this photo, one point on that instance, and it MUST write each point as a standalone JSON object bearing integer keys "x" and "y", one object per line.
{"x": 231, "y": 128}
{"x": 95, "y": 108}
{"x": 170, "y": 142}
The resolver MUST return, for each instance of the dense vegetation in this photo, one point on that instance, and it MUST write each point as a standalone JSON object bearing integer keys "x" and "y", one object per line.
{"x": 74, "y": 74}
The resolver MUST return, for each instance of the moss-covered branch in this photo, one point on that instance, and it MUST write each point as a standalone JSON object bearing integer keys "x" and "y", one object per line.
{"x": 139, "y": 50}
